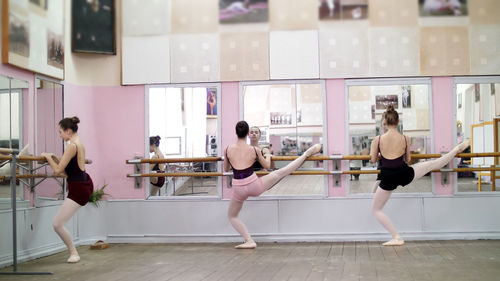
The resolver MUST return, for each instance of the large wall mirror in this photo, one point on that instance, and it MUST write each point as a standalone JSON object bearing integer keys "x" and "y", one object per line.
{"x": 291, "y": 118}
{"x": 13, "y": 93}
{"x": 366, "y": 101}
{"x": 477, "y": 105}
{"x": 187, "y": 121}
{"x": 49, "y": 97}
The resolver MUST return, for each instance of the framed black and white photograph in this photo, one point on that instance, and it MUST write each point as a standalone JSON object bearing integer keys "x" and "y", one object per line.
{"x": 406, "y": 96}
{"x": 93, "y": 29}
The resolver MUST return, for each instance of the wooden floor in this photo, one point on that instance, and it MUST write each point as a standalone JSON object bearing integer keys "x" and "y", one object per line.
{"x": 418, "y": 260}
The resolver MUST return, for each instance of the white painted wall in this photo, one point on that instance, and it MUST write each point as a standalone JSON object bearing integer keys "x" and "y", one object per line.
{"x": 196, "y": 220}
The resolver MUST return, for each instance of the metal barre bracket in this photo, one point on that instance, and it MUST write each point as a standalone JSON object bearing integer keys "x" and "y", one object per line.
{"x": 137, "y": 170}
{"x": 445, "y": 171}
{"x": 337, "y": 166}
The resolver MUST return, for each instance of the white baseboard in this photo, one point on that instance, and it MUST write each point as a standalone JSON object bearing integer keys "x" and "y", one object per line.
{"x": 309, "y": 237}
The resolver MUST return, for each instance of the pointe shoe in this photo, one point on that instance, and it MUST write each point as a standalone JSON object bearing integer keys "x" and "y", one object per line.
{"x": 247, "y": 245}
{"x": 315, "y": 149}
{"x": 73, "y": 259}
{"x": 462, "y": 146}
{"x": 394, "y": 242}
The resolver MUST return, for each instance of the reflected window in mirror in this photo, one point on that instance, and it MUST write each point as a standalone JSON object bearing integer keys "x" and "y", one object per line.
{"x": 13, "y": 95}
{"x": 184, "y": 122}
{"x": 291, "y": 118}
{"x": 49, "y": 98}
{"x": 367, "y": 101}
{"x": 477, "y": 111}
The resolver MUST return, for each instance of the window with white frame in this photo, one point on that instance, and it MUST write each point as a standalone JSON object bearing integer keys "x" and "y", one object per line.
{"x": 291, "y": 119}
{"x": 366, "y": 102}
{"x": 477, "y": 112}
{"x": 186, "y": 120}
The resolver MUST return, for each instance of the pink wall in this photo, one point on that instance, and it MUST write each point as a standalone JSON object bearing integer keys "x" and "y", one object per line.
{"x": 442, "y": 121}
{"x": 336, "y": 130}
{"x": 112, "y": 129}
{"x": 230, "y": 116}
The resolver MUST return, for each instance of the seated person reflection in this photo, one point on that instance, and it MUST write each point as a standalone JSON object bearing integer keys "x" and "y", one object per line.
{"x": 156, "y": 182}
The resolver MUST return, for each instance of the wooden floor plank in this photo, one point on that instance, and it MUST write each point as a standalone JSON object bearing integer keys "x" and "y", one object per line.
{"x": 416, "y": 260}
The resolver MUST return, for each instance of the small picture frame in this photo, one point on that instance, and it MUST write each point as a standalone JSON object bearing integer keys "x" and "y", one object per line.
{"x": 211, "y": 102}
{"x": 93, "y": 26}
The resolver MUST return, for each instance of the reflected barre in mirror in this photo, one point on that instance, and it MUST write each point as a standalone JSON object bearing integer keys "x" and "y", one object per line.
{"x": 290, "y": 118}
{"x": 183, "y": 123}
{"x": 13, "y": 93}
{"x": 366, "y": 103}
{"x": 477, "y": 104}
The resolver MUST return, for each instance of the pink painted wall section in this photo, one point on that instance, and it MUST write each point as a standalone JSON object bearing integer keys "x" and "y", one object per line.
{"x": 112, "y": 129}
{"x": 336, "y": 130}
{"x": 230, "y": 112}
{"x": 442, "y": 103}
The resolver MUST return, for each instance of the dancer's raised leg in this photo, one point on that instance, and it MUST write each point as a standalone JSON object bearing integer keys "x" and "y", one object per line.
{"x": 273, "y": 178}
{"x": 422, "y": 168}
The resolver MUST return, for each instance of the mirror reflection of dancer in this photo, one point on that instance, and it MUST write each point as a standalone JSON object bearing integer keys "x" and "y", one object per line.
{"x": 241, "y": 156}
{"x": 254, "y": 136}
{"x": 394, "y": 154}
{"x": 80, "y": 186}
{"x": 156, "y": 182}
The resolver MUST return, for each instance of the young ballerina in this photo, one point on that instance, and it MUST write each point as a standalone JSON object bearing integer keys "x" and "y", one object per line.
{"x": 394, "y": 154}
{"x": 156, "y": 182}
{"x": 254, "y": 136}
{"x": 80, "y": 186}
{"x": 241, "y": 156}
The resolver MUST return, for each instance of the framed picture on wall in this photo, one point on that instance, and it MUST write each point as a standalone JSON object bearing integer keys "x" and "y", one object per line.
{"x": 243, "y": 11}
{"x": 211, "y": 102}
{"x": 440, "y": 8}
{"x": 343, "y": 9}
{"x": 477, "y": 93}
{"x": 406, "y": 96}
{"x": 33, "y": 35}
{"x": 383, "y": 101}
{"x": 93, "y": 26}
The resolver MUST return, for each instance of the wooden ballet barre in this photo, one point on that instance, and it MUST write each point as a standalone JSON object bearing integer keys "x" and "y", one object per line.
{"x": 6, "y": 150}
{"x": 40, "y": 159}
{"x": 291, "y": 158}
{"x": 427, "y": 156}
{"x": 322, "y": 172}
{"x": 219, "y": 174}
{"x": 360, "y": 172}
{"x": 35, "y": 176}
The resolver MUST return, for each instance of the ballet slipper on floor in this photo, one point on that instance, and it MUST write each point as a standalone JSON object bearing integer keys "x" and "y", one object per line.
{"x": 395, "y": 242}
{"x": 73, "y": 259}
{"x": 247, "y": 245}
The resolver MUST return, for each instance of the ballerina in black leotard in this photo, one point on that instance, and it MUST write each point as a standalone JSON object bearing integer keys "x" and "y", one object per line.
{"x": 394, "y": 154}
